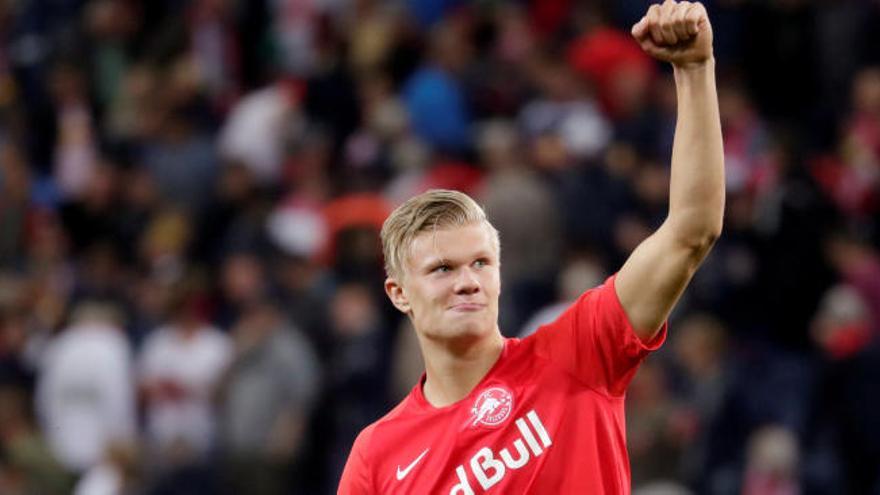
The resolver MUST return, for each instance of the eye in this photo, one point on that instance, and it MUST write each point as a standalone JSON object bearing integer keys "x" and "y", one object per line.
{"x": 441, "y": 269}
{"x": 480, "y": 263}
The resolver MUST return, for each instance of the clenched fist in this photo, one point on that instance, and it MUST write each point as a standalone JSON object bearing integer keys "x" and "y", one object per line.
{"x": 676, "y": 32}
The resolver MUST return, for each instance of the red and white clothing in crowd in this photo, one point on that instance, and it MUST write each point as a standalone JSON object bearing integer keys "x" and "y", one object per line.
{"x": 181, "y": 372}
{"x": 547, "y": 418}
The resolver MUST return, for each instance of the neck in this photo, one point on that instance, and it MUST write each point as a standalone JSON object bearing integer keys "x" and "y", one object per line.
{"x": 452, "y": 372}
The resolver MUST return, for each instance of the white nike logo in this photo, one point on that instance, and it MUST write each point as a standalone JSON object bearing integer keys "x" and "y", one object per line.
{"x": 401, "y": 473}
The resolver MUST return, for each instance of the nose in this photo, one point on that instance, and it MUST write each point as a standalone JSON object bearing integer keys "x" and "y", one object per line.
{"x": 467, "y": 282}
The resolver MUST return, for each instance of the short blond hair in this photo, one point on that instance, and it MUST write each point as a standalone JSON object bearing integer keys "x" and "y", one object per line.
{"x": 431, "y": 210}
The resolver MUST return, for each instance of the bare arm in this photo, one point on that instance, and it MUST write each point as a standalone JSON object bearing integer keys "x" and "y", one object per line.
{"x": 657, "y": 272}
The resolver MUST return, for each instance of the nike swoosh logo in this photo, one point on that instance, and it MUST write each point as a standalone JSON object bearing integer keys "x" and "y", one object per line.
{"x": 401, "y": 473}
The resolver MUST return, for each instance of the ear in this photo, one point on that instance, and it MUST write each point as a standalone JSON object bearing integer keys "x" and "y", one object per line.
{"x": 395, "y": 293}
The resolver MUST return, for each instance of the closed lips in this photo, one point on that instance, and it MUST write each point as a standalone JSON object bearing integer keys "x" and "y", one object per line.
{"x": 468, "y": 306}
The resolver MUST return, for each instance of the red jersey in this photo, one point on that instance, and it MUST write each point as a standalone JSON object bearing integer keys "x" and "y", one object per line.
{"x": 548, "y": 418}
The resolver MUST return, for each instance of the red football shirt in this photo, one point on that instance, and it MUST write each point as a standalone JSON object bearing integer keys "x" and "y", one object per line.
{"x": 548, "y": 418}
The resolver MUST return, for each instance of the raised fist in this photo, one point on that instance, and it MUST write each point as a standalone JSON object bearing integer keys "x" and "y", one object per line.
{"x": 676, "y": 32}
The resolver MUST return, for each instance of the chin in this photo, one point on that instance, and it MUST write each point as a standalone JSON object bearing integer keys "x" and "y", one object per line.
{"x": 473, "y": 326}
{"x": 463, "y": 326}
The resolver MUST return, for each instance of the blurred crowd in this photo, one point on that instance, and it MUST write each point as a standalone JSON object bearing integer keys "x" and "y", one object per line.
{"x": 191, "y": 191}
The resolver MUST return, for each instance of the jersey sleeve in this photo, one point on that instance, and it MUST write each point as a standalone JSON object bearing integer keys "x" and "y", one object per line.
{"x": 356, "y": 477}
{"x": 594, "y": 341}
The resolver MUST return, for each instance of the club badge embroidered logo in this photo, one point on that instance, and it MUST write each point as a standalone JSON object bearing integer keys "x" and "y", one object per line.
{"x": 492, "y": 407}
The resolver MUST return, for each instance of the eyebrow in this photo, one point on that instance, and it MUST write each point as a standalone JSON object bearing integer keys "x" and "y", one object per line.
{"x": 437, "y": 261}
{"x": 445, "y": 261}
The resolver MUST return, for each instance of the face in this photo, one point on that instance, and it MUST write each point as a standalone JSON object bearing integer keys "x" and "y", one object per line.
{"x": 450, "y": 284}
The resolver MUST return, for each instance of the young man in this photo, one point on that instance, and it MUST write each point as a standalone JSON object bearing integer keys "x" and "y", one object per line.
{"x": 545, "y": 414}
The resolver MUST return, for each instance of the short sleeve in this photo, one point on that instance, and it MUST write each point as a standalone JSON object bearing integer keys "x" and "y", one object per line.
{"x": 594, "y": 340}
{"x": 356, "y": 477}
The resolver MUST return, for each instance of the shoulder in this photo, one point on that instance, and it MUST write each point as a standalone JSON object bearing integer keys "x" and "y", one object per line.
{"x": 599, "y": 298}
{"x": 218, "y": 340}
{"x": 400, "y": 411}
{"x": 360, "y": 468}
{"x": 159, "y": 337}
{"x": 373, "y": 434}
{"x": 565, "y": 321}
{"x": 212, "y": 335}
{"x": 362, "y": 443}
{"x": 357, "y": 476}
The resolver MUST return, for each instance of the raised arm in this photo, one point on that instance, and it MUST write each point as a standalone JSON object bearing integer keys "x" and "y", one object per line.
{"x": 658, "y": 270}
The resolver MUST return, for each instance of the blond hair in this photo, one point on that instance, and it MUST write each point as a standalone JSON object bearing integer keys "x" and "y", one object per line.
{"x": 431, "y": 210}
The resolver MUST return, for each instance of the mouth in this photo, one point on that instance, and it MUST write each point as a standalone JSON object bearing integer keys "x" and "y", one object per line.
{"x": 467, "y": 307}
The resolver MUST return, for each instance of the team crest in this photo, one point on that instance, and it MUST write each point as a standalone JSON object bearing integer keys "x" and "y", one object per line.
{"x": 492, "y": 407}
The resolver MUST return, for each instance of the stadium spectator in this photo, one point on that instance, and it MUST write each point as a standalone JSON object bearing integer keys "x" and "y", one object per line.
{"x": 267, "y": 395}
{"x": 179, "y": 367}
{"x": 85, "y": 387}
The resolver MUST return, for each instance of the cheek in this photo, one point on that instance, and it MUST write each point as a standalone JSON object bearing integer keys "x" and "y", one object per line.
{"x": 493, "y": 282}
{"x": 426, "y": 298}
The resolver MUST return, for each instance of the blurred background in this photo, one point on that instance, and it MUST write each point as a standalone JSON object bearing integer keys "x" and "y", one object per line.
{"x": 191, "y": 191}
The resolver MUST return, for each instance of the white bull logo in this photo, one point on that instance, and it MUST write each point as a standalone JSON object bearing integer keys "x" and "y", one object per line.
{"x": 489, "y": 405}
{"x": 492, "y": 406}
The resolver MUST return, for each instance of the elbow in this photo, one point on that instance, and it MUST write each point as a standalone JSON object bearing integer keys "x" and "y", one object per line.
{"x": 698, "y": 238}
{"x": 703, "y": 239}
{"x": 712, "y": 231}
{"x": 700, "y": 222}
{"x": 708, "y": 240}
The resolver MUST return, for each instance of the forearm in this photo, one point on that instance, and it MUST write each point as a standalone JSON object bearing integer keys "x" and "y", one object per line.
{"x": 696, "y": 197}
{"x": 657, "y": 272}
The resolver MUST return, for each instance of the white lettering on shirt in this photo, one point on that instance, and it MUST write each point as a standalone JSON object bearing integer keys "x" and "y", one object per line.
{"x": 463, "y": 487}
{"x": 489, "y": 470}
{"x": 482, "y": 464}
{"x": 523, "y": 455}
